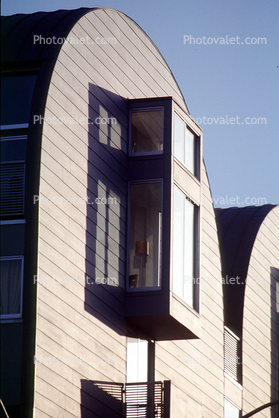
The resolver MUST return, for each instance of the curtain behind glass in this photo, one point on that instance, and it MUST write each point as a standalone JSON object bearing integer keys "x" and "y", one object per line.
{"x": 11, "y": 273}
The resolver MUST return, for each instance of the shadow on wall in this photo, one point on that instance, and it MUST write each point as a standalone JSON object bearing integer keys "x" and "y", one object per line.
{"x": 104, "y": 398}
{"x": 274, "y": 328}
{"x": 106, "y": 208}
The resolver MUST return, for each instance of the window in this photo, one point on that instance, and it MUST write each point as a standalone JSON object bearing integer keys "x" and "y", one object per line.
{"x": 137, "y": 360}
{"x": 11, "y": 287}
{"x": 146, "y": 131}
{"x": 16, "y": 93}
{"x": 184, "y": 237}
{"x": 145, "y": 235}
{"x": 230, "y": 411}
{"x": 12, "y": 173}
{"x": 185, "y": 145}
{"x": 231, "y": 354}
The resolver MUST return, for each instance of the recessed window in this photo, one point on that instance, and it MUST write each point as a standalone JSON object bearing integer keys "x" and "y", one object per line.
{"x": 185, "y": 145}
{"x": 11, "y": 287}
{"x": 146, "y": 131}
{"x": 231, "y": 351}
{"x": 145, "y": 235}
{"x": 184, "y": 243}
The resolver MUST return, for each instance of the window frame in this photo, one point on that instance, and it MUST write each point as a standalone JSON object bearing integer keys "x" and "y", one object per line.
{"x": 146, "y": 108}
{"x": 13, "y": 161}
{"x": 153, "y": 288}
{"x": 196, "y": 249}
{"x": 197, "y": 146}
{"x": 15, "y": 315}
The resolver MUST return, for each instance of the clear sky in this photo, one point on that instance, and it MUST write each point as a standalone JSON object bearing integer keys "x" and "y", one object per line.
{"x": 224, "y": 56}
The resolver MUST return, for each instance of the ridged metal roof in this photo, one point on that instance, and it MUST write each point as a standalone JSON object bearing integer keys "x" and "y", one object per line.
{"x": 18, "y": 31}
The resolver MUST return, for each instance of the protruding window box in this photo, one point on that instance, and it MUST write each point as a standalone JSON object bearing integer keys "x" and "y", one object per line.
{"x": 164, "y": 195}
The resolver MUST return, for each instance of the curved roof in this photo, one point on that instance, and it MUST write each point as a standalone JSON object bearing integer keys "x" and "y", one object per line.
{"x": 18, "y": 32}
{"x": 237, "y": 230}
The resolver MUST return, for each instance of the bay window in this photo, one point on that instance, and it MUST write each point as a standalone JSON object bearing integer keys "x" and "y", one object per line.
{"x": 145, "y": 234}
{"x": 146, "y": 131}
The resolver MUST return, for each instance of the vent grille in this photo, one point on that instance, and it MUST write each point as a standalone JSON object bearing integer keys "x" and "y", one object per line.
{"x": 12, "y": 189}
{"x": 144, "y": 400}
{"x": 231, "y": 342}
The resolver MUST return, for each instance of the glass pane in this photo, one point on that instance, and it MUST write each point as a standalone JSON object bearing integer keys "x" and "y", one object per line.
{"x": 179, "y": 138}
{"x": 183, "y": 247}
{"x": 137, "y": 360}
{"x": 147, "y": 131}
{"x": 189, "y": 253}
{"x": 145, "y": 235}
{"x": 184, "y": 144}
{"x": 16, "y": 96}
{"x": 230, "y": 411}
{"x": 14, "y": 150}
{"x": 11, "y": 273}
{"x": 190, "y": 151}
{"x": 178, "y": 242}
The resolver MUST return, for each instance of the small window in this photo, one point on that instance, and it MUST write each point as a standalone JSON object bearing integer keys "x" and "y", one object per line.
{"x": 16, "y": 94}
{"x": 146, "y": 131}
{"x": 185, "y": 145}
{"x": 145, "y": 235}
{"x": 231, "y": 354}
{"x": 184, "y": 244}
{"x": 230, "y": 411}
{"x": 11, "y": 287}
{"x": 12, "y": 189}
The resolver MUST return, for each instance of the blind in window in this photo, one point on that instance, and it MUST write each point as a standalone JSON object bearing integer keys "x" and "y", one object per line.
{"x": 12, "y": 189}
{"x": 231, "y": 353}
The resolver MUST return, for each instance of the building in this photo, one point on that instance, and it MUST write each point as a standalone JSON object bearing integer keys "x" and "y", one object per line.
{"x": 108, "y": 230}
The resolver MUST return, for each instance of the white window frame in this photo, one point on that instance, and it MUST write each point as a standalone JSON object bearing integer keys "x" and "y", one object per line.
{"x": 196, "y": 171}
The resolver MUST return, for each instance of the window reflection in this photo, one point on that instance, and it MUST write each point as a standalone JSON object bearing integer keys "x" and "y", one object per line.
{"x": 183, "y": 246}
{"x": 145, "y": 235}
{"x": 147, "y": 131}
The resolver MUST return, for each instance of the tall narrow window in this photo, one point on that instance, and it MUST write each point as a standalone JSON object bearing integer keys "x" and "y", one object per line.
{"x": 184, "y": 233}
{"x": 11, "y": 287}
{"x": 146, "y": 131}
{"x": 137, "y": 360}
{"x": 145, "y": 235}
{"x": 185, "y": 145}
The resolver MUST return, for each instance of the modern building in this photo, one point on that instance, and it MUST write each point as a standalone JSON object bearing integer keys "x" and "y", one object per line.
{"x": 123, "y": 293}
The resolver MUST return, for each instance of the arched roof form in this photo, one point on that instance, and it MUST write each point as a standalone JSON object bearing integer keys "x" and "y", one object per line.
{"x": 260, "y": 343}
{"x": 18, "y": 31}
{"x": 237, "y": 229}
{"x": 22, "y": 37}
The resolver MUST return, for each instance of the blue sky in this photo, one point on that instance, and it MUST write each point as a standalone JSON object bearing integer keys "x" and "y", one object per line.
{"x": 224, "y": 56}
